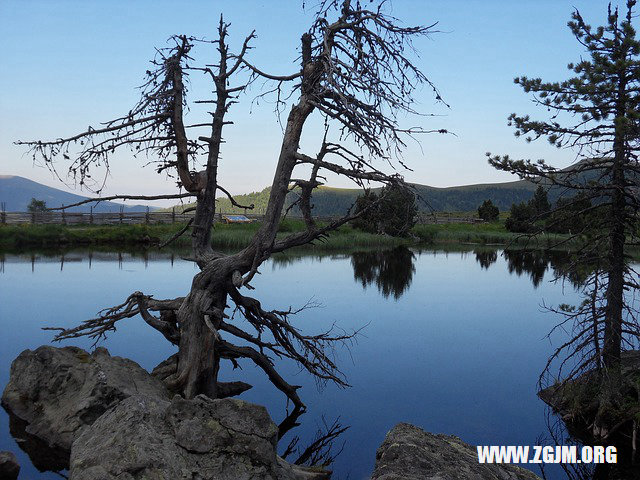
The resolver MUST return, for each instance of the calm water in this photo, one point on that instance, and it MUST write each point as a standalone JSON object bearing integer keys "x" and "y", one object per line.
{"x": 454, "y": 341}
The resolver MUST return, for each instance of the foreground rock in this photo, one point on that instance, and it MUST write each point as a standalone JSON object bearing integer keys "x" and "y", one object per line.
{"x": 107, "y": 418}
{"x": 9, "y": 466}
{"x": 53, "y": 393}
{"x": 410, "y": 453}
{"x": 148, "y": 437}
{"x": 579, "y": 405}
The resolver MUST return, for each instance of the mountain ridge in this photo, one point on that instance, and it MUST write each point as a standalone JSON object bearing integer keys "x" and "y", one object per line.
{"x": 16, "y": 192}
{"x": 331, "y": 201}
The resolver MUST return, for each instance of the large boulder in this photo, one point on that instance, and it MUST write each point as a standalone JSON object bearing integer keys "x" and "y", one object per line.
{"x": 9, "y": 466}
{"x": 410, "y": 453}
{"x": 149, "y": 437}
{"x": 53, "y": 393}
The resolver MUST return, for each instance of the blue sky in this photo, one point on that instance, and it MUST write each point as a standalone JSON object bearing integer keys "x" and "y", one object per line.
{"x": 70, "y": 64}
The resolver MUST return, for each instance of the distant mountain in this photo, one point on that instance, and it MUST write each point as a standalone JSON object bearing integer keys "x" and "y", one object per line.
{"x": 333, "y": 201}
{"x": 16, "y": 192}
{"x": 328, "y": 201}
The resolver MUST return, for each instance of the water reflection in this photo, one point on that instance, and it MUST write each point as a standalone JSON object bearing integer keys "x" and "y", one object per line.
{"x": 390, "y": 270}
{"x": 495, "y": 396}
{"x": 42, "y": 455}
{"x": 559, "y": 434}
{"x": 486, "y": 258}
{"x": 90, "y": 257}
{"x": 533, "y": 263}
{"x": 536, "y": 263}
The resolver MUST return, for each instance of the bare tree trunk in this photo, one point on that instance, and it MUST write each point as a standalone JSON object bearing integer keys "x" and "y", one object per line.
{"x": 206, "y": 206}
{"x": 198, "y": 359}
{"x": 286, "y": 162}
{"x": 360, "y": 85}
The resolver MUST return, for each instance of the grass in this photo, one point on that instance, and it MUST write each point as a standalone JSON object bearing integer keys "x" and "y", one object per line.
{"x": 19, "y": 236}
{"x": 492, "y": 233}
{"x": 234, "y": 236}
{"x": 239, "y": 235}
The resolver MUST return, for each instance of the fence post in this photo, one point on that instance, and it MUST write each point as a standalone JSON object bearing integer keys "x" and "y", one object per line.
{"x": 146, "y": 217}
{"x": 3, "y": 217}
{"x": 173, "y": 216}
{"x": 91, "y": 215}
{"x": 64, "y": 218}
{"x": 121, "y": 213}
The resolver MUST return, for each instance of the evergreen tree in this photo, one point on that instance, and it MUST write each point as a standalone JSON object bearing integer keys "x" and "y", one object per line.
{"x": 595, "y": 113}
{"x": 539, "y": 204}
{"x": 520, "y": 218}
{"x": 569, "y": 215}
{"x": 368, "y": 220}
{"x": 393, "y": 212}
{"x": 36, "y": 206}
{"x": 488, "y": 211}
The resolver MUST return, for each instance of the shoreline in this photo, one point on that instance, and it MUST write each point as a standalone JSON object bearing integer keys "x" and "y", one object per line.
{"x": 25, "y": 237}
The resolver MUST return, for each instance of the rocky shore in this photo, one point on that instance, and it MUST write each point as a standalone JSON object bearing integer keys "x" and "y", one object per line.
{"x": 105, "y": 418}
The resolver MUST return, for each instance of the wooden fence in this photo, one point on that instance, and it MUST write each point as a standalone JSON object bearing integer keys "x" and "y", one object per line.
{"x": 440, "y": 218}
{"x": 97, "y": 218}
{"x": 61, "y": 217}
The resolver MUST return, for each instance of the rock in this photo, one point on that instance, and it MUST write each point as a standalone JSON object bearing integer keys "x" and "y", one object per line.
{"x": 42, "y": 456}
{"x": 204, "y": 439}
{"x": 410, "y": 453}
{"x": 578, "y": 403}
{"x": 590, "y": 420}
{"x": 9, "y": 466}
{"x": 57, "y": 392}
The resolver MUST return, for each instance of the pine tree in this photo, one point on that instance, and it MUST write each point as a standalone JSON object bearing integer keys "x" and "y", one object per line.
{"x": 392, "y": 212}
{"x": 540, "y": 205}
{"x": 36, "y": 205}
{"x": 488, "y": 211}
{"x": 595, "y": 114}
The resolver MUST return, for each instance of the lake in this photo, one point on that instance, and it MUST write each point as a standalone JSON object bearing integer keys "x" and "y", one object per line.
{"x": 453, "y": 341}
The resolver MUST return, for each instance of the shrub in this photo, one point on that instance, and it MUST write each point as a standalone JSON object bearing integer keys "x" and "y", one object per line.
{"x": 488, "y": 211}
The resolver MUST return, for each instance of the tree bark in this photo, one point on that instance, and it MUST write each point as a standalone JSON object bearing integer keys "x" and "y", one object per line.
{"x": 615, "y": 287}
{"x": 198, "y": 359}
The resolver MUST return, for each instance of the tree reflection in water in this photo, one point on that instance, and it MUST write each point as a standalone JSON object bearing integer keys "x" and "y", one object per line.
{"x": 390, "y": 270}
{"x": 486, "y": 258}
{"x": 533, "y": 262}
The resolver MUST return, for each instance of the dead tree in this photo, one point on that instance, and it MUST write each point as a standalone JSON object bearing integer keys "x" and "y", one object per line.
{"x": 356, "y": 72}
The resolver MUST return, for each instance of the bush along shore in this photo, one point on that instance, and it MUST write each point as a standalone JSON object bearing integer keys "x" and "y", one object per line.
{"x": 18, "y": 237}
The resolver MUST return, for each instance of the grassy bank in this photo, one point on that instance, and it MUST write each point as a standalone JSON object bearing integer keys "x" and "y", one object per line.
{"x": 239, "y": 235}
{"x": 492, "y": 233}
{"x": 16, "y": 237}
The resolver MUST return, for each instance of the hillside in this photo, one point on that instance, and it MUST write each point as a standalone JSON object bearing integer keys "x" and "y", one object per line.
{"x": 328, "y": 201}
{"x": 16, "y": 192}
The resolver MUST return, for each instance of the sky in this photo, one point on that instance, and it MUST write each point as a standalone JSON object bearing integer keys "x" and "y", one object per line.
{"x": 70, "y": 64}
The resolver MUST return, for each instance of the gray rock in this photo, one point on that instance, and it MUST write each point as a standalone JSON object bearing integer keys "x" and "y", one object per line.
{"x": 57, "y": 392}
{"x": 204, "y": 439}
{"x": 9, "y": 466}
{"x": 410, "y": 453}
{"x": 42, "y": 456}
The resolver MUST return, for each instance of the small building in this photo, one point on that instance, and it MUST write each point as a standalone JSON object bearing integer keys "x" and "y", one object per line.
{"x": 236, "y": 219}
